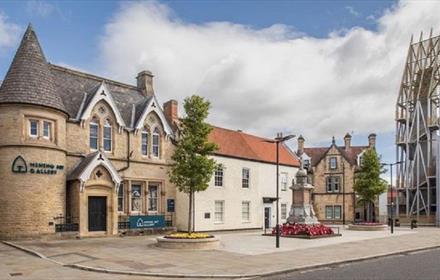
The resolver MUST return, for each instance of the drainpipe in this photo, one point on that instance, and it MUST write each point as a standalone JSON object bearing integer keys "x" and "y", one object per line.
{"x": 128, "y": 153}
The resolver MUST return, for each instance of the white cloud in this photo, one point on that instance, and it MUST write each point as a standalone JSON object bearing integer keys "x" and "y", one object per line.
{"x": 352, "y": 11}
{"x": 9, "y": 33}
{"x": 264, "y": 80}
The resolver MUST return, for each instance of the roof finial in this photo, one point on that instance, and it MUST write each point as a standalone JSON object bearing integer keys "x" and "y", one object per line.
{"x": 333, "y": 140}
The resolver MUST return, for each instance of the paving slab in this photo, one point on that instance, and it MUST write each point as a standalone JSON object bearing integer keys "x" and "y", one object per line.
{"x": 241, "y": 253}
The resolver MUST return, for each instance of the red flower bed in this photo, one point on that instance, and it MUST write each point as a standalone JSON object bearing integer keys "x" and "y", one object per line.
{"x": 300, "y": 229}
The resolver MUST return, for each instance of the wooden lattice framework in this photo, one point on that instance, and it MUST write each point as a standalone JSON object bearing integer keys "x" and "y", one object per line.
{"x": 417, "y": 128}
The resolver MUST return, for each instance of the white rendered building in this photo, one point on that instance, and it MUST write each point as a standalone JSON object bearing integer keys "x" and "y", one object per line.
{"x": 242, "y": 194}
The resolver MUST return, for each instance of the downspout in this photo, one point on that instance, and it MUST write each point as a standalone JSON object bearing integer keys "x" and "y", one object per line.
{"x": 128, "y": 153}
{"x": 343, "y": 192}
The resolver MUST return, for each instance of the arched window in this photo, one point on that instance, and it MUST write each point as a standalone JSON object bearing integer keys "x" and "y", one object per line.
{"x": 107, "y": 136}
{"x": 93, "y": 138}
{"x": 156, "y": 142}
{"x": 144, "y": 141}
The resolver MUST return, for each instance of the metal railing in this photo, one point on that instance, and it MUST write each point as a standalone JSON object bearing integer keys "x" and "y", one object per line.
{"x": 66, "y": 224}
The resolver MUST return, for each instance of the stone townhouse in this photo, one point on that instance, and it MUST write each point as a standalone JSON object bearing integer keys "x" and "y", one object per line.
{"x": 332, "y": 172}
{"x": 242, "y": 192}
{"x": 77, "y": 149}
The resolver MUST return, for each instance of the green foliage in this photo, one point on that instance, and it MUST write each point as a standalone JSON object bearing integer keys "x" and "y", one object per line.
{"x": 192, "y": 168}
{"x": 368, "y": 183}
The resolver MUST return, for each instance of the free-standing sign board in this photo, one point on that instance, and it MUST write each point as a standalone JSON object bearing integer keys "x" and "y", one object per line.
{"x": 153, "y": 221}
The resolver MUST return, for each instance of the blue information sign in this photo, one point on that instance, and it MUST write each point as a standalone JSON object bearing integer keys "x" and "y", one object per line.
{"x": 170, "y": 205}
{"x": 154, "y": 221}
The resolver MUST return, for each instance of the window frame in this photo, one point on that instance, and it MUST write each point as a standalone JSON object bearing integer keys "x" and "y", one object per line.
{"x": 140, "y": 198}
{"x": 283, "y": 211}
{"x": 49, "y": 129}
{"x": 245, "y": 204}
{"x": 95, "y": 124}
{"x": 155, "y": 134}
{"x": 219, "y": 175}
{"x": 245, "y": 180}
{"x": 284, "y": 179}
{"x": 330, "y": 184}
{"x": 121, "y": 198}
{"x": 327, "y": 217}
{"x": 334, "y": 212}
{"x": 109, "y": 137}
{"x": 222, "y": 212}
{"x": 144, "y": 144}
{"x": 332, "y": 160}
{"x": 37, "y": 122}
{"x": 150, "y": 198}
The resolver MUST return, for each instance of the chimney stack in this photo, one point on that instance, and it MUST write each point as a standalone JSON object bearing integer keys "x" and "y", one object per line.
{"x": 372, "y": 140}
{"x": 300, "y": 145}
{"x": 170, "y": 109}
{"x": 347, "y": 141}
{"x": 145, "y": 83}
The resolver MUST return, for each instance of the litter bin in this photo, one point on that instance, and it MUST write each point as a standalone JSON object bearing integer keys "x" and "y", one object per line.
{"x": 413, "y": 224}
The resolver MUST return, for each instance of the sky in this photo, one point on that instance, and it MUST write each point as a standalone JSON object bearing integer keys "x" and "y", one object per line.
{"x": 315, "y": 68}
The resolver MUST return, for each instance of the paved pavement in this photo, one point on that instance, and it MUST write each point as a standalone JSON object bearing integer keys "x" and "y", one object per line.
{"x": 418, "y": 265}
{"x": 246, "y": 253}
{"x": 18, "y": 265}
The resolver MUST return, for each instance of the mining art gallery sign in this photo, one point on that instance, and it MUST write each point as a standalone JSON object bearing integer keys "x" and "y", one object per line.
{"x": 152, "y": 221}
{"x": 19, "y": 165}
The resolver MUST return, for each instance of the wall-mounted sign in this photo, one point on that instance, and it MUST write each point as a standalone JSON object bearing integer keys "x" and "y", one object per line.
{"x": 19, "y": 165}
{"x": 170, "y": 205}
{"x": 154, "y": 221}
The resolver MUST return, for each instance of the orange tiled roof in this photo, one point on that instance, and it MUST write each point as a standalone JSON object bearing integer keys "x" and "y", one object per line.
{"x": 238, "y": 144}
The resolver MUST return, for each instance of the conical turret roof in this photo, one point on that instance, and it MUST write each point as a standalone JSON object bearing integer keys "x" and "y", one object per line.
{"x": 29, "y": 79}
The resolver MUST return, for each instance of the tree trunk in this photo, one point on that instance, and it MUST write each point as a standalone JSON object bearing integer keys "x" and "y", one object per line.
{"x": 373, "y": 212}
{"x": 190, "y": 211}
{"x": 194, "y": 212}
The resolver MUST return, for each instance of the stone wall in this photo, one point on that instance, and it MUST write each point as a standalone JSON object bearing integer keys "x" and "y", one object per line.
{"x": 29, "y": 202}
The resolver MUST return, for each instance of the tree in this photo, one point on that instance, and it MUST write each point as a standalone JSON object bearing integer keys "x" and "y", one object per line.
{"x": 368, "y": 183}
{"x": 192, "y": 168}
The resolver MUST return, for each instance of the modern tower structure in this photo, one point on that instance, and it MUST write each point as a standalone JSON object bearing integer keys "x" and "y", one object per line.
{"x": 417, "y": 130}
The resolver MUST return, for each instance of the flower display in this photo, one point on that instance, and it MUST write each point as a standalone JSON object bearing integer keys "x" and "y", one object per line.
{"x": 186, "y": 235}
{"x": 301, "y": 229}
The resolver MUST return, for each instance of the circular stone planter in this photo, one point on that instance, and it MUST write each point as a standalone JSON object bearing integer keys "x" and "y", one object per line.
{"x": 362, "y": 227}
{"x": 191, "y": 244}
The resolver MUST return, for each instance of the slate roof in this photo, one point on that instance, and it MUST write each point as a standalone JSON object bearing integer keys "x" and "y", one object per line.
{"x": 318, "y": 153}
{"x": 72, "y": 85}
{"x": 29, "y": 79}
{"x": 238, "y": 144}
{"x": 32, "y": 80}
{"x": 82, "y": 164}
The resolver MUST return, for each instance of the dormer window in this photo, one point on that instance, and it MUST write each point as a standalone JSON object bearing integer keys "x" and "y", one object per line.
{"x": 144, "y": 141}
{"x": 33, "y": 128}
{"x": 156, "y": 143}
{"x": 93, "y": 138}
{"x": 107, "y": 136}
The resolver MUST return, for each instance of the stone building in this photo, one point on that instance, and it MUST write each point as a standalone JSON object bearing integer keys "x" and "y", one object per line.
{"x": 89, "y": 155}
{"x": 332, "y": 172}
{"x": 78, "y": 149}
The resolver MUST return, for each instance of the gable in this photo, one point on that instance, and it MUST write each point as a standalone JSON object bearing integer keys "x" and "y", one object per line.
{"x": 102, "y": 94}
{"x": 152, "y": 106}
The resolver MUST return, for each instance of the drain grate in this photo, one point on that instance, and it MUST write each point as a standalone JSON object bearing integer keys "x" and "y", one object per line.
{"x": 15, "y": 274}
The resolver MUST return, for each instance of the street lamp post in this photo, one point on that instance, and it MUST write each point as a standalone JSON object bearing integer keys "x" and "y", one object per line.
{"x": 391, "y": 195}
{"x": 279, "y": 139}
